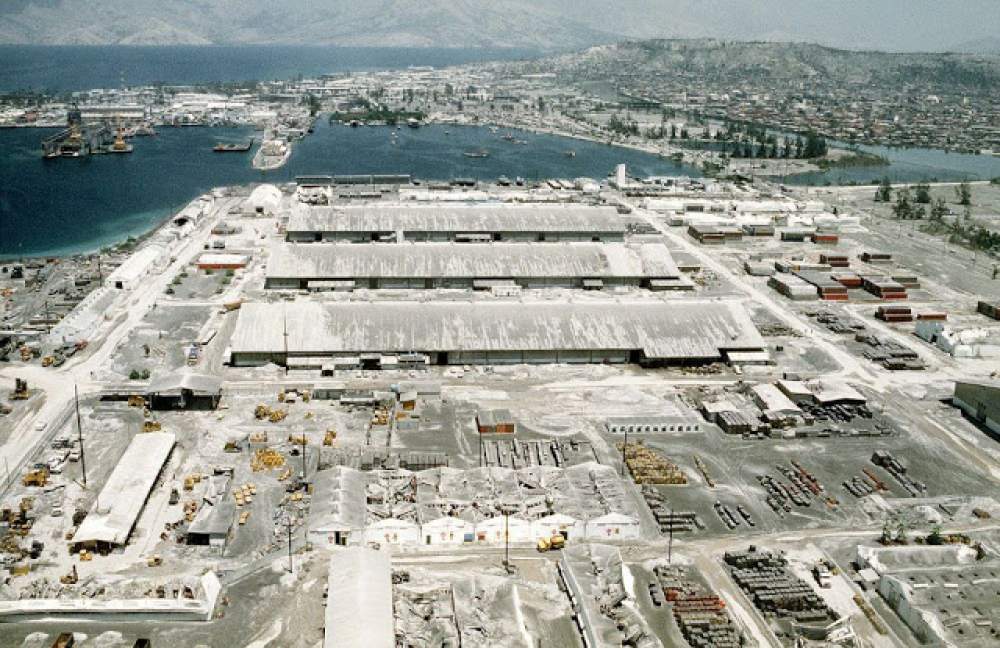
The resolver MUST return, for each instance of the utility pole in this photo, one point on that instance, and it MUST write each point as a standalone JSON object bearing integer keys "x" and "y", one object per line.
{"x": 670, "y": 541}
{"x": 506, "y": 539}
{"x": 288, "y": 524}
{"x": 303, "y": 460}
{"x": 284, "y": 334}
{"x": 624, "y": 449}
{"x": 79, "y": 433}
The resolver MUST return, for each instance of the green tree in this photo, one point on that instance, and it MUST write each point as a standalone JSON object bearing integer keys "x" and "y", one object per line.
{"x": 922, "y": 193}
{"x": 815, "y": 146}
{"x": 903, "y": 209}
{"x": 939, "y": 210}
{"x": 964, "y": 193}
{"x": 884, "y": 191}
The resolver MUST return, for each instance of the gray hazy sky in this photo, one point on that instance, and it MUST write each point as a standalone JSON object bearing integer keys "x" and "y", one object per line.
{"x": 909, "y": 25}
{"x": 883, "y": 24}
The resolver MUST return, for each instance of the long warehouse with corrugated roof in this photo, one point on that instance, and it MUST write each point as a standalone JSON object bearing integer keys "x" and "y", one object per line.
{"x": 462, "y": 223}
{"x": 457, "y": 265}
{"x": 628, "y": 331}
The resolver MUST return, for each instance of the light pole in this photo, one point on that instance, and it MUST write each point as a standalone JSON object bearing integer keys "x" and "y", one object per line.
{"x": 288, "y": 525}
{"x": 79, "y": 432}
{"x": 624, "y": 450}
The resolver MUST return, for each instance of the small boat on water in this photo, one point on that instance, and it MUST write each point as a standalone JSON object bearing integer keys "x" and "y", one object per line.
{"x": 570, "y": 153}
{"x": 233, "y": 148}
{"x": 481, "y": 153}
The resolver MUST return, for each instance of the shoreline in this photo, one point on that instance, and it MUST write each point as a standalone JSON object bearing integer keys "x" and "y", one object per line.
{"x": 141, "y": 233}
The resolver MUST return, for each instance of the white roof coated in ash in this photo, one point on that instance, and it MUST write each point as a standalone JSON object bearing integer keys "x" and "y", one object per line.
{"x": 456, "y": 218}
{"x": 668, "y": 330}
{"x": 475, "y": 260}
{"x": 124, "y": 494}
{"x": 359, "y": 603}
{"x": 183, "y": 380}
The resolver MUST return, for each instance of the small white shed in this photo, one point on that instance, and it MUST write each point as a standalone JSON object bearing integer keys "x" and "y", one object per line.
{"x": 613, "y": 526}
{"x": 492, "y": 530}
{"x": 393, "y": 531}
{"x": 550, "y": 525}
{"x": 447, "y": 530}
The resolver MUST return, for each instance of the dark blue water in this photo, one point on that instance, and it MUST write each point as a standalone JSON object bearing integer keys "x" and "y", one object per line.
{"x": 908, "y": 165}
{"x": 72, "y": 67}
{"x": 64, "y": 206}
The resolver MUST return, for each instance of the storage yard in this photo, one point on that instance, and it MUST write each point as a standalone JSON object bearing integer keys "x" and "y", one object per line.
{"x": 666, "y": 413}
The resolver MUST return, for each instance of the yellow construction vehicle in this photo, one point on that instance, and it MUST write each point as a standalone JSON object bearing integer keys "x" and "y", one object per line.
{"x": 298, "y": 439}
{"x": 281, "y": 396}
{"x": 86, "y": 556}
{"x": 151, "y": 426}
{"x": 191, "y": 480}
{"x": 277, "y": 415}
{"x": 48, "y": 360}
{"x": 261, "y": 412}
{"x": 136, "y": 401}
{"x": 71, "y": 578}
{"x": 555, "y": 543}
{"x": 329, "y": 437}
{"x": 154, "y": 561}
{"x": 244, "y": 516}
{"x": 38, "y": 476}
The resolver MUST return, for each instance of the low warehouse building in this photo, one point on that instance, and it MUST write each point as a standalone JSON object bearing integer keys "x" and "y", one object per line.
{"x": 222, "y": 261}
{"x": 110, "y": 522}
{"x": 359, "y": 607}
{"x": 188, "y": 391}
{"x": 466, "y": 223}
{"x": 642, "y": 332}
{"x": 451, "y": 265}
{"x": 499, "y": 421}
{"x": 980, "y": 400}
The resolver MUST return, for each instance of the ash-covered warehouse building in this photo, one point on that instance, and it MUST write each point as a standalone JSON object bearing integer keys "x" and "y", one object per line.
{"x": 641, "y": 332}
{"x": 459, "y": 223}
{"x": 478, "y": 265}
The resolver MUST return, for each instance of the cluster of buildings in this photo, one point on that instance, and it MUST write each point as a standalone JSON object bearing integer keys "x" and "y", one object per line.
{"x": 449, "y": 506}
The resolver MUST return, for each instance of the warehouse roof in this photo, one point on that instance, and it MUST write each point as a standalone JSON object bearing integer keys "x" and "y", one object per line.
{"x": 124, "y": 494}
{"x": 174, "y": 383}
{"x": 483, "y": 261}
{"x": 359, "y": 607}
{"x": 454, "y": 218}
{"x": 678, "y": 329}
